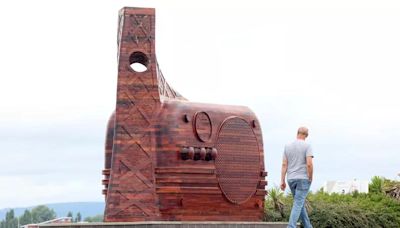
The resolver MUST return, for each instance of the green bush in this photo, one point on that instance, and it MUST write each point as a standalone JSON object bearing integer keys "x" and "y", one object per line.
{"x": 96, "y": 218}
{"x": 376, "y": 185}
{"x": 344, "y": 210}
{"x": 350, "y": 215}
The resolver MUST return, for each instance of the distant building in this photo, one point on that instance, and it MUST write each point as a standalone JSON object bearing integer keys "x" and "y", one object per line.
{"x": 344, "y": 187}
{"x": 61, "y": 220}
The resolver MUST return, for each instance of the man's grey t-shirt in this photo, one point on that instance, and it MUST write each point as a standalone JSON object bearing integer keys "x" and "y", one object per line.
{"x": 295, "y": 154}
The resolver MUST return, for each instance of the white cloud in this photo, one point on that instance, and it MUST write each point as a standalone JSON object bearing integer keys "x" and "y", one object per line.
{"x": 332, "y": 66}
{"x": 35, "y": 190}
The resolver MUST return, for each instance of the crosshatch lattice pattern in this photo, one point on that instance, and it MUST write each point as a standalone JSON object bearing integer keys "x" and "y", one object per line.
{"x": 131, "y": 193}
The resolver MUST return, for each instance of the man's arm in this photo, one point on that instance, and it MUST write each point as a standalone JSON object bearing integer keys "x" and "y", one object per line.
{"x": 310, "y": 168}
{"x": 283, "y": 174}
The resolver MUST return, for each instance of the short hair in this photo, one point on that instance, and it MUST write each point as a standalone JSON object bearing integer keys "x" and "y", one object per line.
{"x": 302, "y": 131}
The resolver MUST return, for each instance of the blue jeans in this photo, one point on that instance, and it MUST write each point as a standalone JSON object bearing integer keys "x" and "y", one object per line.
{"x": 299, "y": 188}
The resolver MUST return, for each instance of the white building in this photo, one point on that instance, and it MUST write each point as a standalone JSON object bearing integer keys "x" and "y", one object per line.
{"x": 344, "y": 187}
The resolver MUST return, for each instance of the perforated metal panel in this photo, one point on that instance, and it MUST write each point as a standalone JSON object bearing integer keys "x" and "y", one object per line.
{"x": 238, "y": 160}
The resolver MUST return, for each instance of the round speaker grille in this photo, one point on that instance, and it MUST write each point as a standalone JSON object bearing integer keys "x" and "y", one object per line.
{"x": 238, "y": 160}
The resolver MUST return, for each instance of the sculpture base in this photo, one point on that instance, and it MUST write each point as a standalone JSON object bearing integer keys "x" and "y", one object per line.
{"x": 166, "y": 224}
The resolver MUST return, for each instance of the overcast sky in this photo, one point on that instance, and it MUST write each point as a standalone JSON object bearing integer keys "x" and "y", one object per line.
{"x": 333, "y": 67}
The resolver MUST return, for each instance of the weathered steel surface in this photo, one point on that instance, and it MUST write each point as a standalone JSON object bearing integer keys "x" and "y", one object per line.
{"x": 170, "y": 159}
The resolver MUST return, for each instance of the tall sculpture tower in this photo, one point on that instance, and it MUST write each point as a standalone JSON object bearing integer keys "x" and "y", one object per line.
{"x": 170, "y": 159}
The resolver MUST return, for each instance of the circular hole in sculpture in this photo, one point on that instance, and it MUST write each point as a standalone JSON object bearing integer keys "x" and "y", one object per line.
{"x": 138, "y": 61}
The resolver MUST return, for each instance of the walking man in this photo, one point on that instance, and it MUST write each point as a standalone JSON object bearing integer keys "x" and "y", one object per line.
{"x": 297, "y": 164}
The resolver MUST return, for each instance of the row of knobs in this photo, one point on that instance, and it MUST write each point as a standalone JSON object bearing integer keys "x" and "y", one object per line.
{"x": 198, "y": 153}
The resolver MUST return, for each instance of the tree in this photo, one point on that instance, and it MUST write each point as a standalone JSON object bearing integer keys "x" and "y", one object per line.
{"x": 10, "y": 215}
{"x": 42, "y": 213}
{"x": 26, "y": 218}
{"x": 376, "y": 185}
{"x": 70, "y": 215}
{"x": 78, "y": 217}
{"x": 10, "y": 221}
{"x": 276, "y": 195}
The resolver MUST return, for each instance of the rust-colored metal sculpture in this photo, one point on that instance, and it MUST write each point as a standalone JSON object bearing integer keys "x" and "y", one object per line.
{"x": 171, "y": 159}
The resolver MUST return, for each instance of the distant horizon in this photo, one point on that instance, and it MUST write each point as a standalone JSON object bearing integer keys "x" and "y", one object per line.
{"x": 40, "y": 204}
{"x": 103, "y": 202}
{"x": 87, "y": 209}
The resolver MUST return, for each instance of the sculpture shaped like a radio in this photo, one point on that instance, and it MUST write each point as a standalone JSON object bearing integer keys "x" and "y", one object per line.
{"x": 170, "y": 159}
